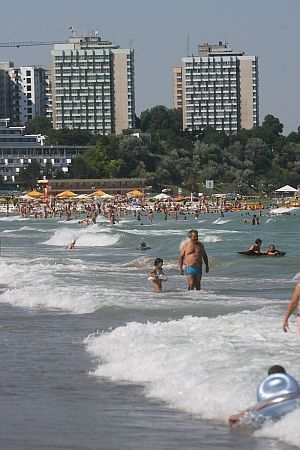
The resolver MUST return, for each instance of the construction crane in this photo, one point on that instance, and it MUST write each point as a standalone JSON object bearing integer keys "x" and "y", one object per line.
{"x": 34, "y": 43}
{"x": 30, "y": 43}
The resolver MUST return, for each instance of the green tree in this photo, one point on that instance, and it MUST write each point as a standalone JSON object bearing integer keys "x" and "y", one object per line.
{"x": 160, "y": 121}
{"x": 68, "y": 136}
{"x": 38, "y": 125}
{"x": 29, "y": 174}
{"x": 273, "y": 124}
{"x": 59, "y": 174}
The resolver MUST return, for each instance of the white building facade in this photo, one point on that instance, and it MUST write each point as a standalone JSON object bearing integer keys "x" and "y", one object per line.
{"x": 92, "y": 85}
{"x": 18, "y": 149}
{"x": 220, "y": 89}
{"x": 29, "y": 93}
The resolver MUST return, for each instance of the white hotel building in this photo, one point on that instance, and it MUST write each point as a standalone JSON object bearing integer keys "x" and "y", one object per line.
{"x": 219, "y": 89}
{"x": 22, "y": 92}
{"x": 92, "y": 85}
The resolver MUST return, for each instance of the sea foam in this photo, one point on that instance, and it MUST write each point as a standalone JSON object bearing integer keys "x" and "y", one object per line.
{"x": 207, "y": 367}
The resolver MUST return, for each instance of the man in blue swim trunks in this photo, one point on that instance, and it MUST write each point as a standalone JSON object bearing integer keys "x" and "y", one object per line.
{"x": 192, "y": 254}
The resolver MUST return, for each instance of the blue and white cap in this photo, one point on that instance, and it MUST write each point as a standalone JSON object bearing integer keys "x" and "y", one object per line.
{"x": 277, "y": 384}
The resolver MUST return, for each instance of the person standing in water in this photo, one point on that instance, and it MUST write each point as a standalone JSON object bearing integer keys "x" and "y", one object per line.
{"x": 294, "y": 304}
{"x": 156, "y": 275}
{"x": 192, "y": 255}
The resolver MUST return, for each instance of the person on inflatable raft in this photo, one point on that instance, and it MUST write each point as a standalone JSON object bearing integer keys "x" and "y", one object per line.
{"x": 277, "y": 394}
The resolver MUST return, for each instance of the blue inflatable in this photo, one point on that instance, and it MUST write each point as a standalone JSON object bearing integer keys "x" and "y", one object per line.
{"x": 143, "y": 248}
{"x": 277, "y": 395}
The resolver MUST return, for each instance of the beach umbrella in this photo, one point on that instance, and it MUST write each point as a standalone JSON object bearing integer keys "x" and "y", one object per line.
{"x": 161, "y": 197}
{"x": 107, "y": 196}
{"x": 26, "y": 197}
{"x": 66, "y": 194}
{"x": 83, "y": 197}
{"x": 34, "y": 194}
{"x": 98, "y": 193}
{"x": 180, "y": 198}
{"x": 286, "y": 188}
{"x": 135, "y": 193}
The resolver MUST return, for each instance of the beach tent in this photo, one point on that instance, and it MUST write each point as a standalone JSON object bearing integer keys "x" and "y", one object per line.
{"x": 286, "y": 188}
{"x": 161, "y": 197}
{"x": 135, "y": 193}
{"x": 66, "y": 194}
{"x": 34, "y": 194}
{"x": 98, "y": 193}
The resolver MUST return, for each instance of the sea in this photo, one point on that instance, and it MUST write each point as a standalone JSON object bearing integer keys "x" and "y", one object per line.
{"x": 93, "y": 358}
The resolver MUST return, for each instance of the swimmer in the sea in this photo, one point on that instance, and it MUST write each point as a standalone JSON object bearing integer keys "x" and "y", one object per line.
{"x": 71, "y": 246}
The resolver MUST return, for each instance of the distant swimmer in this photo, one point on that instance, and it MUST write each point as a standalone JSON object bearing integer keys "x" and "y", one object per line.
{"x": 192, "y": 255}
{"x": 71, "y": 246}
{"x": 294, "y": 304}
{"x": 157, "y": 275}
{"x": 143, "y": 246}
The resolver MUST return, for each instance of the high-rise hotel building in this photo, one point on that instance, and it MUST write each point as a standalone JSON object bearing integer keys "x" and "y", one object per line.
{"x": 92, "y": 85}
{"x": 217, "y": 88}
{"x": 22, "y": 92}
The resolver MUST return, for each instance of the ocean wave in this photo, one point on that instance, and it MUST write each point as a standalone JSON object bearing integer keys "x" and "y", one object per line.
{"x": 221, "y": 221}
{"x": 26, "y": 228}
{"x": 13, "y": 218}
{"x": 86, "y": 237}
{"x": 239, "y": 348}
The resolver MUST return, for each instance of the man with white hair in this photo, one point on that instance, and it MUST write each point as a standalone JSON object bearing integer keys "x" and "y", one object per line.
{"x": 192, "y": 255}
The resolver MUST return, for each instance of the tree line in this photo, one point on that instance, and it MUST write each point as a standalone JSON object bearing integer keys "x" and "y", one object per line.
{"x": 256, "y": 160}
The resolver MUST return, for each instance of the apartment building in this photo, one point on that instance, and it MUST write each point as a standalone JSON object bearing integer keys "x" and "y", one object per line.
{"x": 5, "y": 89}
{"x": 177, "y": 87}
{"x": 92, "y": 85}
{"x": 22, "y": 92}
{"x": 219, "y": 89}
{"x": 48, "y": 95}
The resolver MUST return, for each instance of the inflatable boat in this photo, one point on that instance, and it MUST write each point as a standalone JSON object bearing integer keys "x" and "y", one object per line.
{"x": 277, "y": 395}
{"x": 252, "y": 253}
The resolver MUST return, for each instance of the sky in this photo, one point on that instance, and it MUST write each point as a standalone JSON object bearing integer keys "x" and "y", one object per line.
{"x": 162, "y": 32}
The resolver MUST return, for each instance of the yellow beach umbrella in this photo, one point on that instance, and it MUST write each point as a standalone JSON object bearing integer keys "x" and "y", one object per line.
{"x": 66, "y": 194}
{"x": 98, "y": 193}
{"x": 135, "y": 193}
{"x": 34, "y": 193}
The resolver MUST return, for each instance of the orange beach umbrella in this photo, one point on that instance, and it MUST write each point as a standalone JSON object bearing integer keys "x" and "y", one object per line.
{"x": 135, "y": 193}
{"x": 66, "y": 194}
{"x": 98, "y": 193}
{"x": 34, "y": 193}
